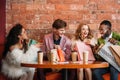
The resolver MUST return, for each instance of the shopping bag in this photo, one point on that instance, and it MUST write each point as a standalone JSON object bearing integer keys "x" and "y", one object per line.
{"x": 107, "y": 55}
{"x": 61, "y": 55}
{"x": 115, "y": 49}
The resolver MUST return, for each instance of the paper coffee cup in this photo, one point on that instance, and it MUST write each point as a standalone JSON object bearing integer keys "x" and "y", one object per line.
{"x": 40, "y": 57}
{"x": 74, "y": 56}
{"x": 53, "y": 55}
{"x": 85, "y": 56}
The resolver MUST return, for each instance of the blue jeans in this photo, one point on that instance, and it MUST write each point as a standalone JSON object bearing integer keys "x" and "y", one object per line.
{"x": 97, "y": 73}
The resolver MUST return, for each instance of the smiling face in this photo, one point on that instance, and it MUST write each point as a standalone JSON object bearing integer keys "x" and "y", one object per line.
{"x": 84, "y": 31}
{"x": 59, "y": 32}
{"x": 104, "y": 31}
{"x": 23, "y": 34}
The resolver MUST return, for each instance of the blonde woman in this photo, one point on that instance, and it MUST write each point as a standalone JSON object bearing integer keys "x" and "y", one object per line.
{"x": 83, "y": 41}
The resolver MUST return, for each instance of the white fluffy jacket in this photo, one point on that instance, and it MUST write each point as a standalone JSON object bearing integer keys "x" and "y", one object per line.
{"x": 11, "y": 64}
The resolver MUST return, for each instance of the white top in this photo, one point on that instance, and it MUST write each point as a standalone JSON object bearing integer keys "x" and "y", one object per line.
{"x": 11, "y": 65}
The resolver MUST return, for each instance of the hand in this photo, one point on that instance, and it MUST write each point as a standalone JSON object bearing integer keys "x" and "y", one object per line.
{"x": 113, "y": 41}
{"x": 98, "y": 48}
{"x": 95, "y": 49}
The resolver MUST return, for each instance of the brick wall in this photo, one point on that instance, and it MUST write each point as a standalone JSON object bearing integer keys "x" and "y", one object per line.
{"x": 38, "y": 15}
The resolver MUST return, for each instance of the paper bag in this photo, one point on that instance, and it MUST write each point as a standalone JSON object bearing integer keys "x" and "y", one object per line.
{"x": 106, "y": 54}
{"x": 61, "y": 56}
{"x": 115, "y": 49}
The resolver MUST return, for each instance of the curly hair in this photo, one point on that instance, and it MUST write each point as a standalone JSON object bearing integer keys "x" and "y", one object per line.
{"x": 78, "y": 32}
{"x": 12, "y": 38}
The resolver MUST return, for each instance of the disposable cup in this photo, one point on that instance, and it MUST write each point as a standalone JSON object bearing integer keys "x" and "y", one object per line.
{"x": 40, "y": 57}
{"x": 85, "y": 56}
{"x": 74, "y": 56}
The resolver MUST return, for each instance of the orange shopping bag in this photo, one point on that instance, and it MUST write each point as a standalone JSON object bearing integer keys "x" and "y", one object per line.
{"x": 61, "y": 55}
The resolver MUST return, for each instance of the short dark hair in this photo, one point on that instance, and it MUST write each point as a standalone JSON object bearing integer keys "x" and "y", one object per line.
{"x": 58, "y": 23}
{"x": 106, "y": 22}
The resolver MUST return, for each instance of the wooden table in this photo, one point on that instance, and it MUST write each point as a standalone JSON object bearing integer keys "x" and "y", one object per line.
{"x": 70, "y": 65}
{"x": 66, "y": 65}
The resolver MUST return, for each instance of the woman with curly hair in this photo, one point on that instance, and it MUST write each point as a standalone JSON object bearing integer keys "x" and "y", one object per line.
{"x": 18, "y": 48}
{"x": 83, "y": 41}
